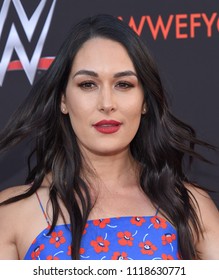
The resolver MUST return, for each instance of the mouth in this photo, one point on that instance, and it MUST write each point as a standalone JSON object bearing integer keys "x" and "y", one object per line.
{"x": 107, "y": 126}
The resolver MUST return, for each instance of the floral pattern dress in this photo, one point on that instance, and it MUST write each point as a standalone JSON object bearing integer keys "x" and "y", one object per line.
{"x": 117, "y": 238}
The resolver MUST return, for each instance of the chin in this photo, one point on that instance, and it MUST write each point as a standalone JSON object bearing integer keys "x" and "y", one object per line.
{"x": 105, "y": 148}
{"x": 111, "y": 152}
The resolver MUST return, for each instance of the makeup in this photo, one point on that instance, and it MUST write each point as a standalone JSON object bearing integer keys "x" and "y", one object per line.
{"x": 107, "y": 126}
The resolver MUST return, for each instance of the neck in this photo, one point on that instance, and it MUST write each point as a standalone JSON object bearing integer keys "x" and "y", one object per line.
{"x": 110, "y": 170}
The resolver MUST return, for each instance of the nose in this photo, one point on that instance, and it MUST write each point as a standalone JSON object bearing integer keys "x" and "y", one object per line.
{"x": 106, "y": 102}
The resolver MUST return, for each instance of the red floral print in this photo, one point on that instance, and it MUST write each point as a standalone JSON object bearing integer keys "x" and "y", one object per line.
{"x": 158, "y": 222}
{"x": 138, "y": 221}
{"x": 69, "y": 250}
{"x": 100, "y": 244}
{"x": 167, "y": 257}
{"x": 119, "y": 256}
{"x": 57, "y": 238}
{"x": 168, "y": 238}
{"x": 85, "y": 229}
{"x": 35, "y": 254}
{"x": 147, "y": 248}
{"x": 125, "y": 238}
{"x": 50, "y": 257}
{"x": 102, "y": 223}
{"x": 81, "y": 251}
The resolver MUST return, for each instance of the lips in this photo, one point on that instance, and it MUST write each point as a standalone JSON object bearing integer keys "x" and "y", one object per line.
{"x": 107, "y": 126}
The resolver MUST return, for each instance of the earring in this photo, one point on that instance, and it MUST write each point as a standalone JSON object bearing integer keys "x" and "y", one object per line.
{"x": 63, "y": 110}
{"x": 144, "y": 110}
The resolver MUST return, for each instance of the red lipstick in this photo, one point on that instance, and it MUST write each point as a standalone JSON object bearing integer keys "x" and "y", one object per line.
{"x": 107, "y": 126}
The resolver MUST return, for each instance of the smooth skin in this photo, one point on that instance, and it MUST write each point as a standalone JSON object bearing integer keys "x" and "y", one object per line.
{"x": 102, "y": 85}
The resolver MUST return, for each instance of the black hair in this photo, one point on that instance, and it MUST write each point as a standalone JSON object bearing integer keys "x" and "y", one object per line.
{"x": 160, "y": 144}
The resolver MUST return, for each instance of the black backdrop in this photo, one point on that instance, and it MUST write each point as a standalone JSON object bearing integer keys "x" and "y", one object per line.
{"x": 182, "y": 35}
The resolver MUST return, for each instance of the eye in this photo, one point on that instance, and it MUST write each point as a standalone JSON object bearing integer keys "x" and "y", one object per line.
{"x": 87, "y": 85}
{"x": 124, "y": 85}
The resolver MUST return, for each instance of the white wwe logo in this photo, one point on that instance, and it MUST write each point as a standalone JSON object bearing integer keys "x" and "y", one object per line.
{"x": 14, "y": 43}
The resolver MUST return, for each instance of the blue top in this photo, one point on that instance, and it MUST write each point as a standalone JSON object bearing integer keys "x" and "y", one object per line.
{"x": 117, "y": 238}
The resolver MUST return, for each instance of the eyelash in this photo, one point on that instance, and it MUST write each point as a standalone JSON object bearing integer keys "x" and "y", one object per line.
{"x": 125, "y": 84}
{"x": 89, "y": 85}
{"x": 84, "y": 85}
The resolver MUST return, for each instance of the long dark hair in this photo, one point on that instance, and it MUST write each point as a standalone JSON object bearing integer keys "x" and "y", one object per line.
{"x": 160, "y": 145}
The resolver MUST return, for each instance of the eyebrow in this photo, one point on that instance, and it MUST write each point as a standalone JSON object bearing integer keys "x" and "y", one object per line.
{"x": 94, "y": 74}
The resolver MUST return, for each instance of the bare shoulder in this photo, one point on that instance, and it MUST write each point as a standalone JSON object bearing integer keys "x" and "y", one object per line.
{"x": 9, "y": 219}
{"x": 12, "y": 191}
{"x": 15, "y": 218}
{"x": 19, "y": 190}
{"x": 202, "y": 200}
{"x": 208, "y": 214}
{"x": 21, "y": 206}
{"x": 9, "y": 211}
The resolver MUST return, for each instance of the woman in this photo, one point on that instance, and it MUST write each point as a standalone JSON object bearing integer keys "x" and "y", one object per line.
{"x": 107, "y": 173}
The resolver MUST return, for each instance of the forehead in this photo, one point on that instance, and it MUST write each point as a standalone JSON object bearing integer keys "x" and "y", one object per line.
{"x": 101, "y": 54}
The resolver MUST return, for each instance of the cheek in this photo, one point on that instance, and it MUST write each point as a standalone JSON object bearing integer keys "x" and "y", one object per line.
{"x": 133, "y": 109}
{"x": 79, "y": 112}
{"x": 133, "y": 116}
{"x": 78, "y": 106}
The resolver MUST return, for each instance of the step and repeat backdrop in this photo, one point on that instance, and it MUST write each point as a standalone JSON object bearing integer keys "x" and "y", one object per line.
{"x": 182, "y": 35}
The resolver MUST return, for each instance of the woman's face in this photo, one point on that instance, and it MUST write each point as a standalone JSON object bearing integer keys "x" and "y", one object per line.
{"x": 104, "y": 98}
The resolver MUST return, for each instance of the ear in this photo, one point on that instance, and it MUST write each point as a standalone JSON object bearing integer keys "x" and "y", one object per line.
{"x": 63, "y": 106}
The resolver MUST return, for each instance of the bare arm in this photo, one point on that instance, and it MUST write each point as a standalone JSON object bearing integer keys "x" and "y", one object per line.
{"x": 8, "y": 248}
{"x": 208, "y": 245}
